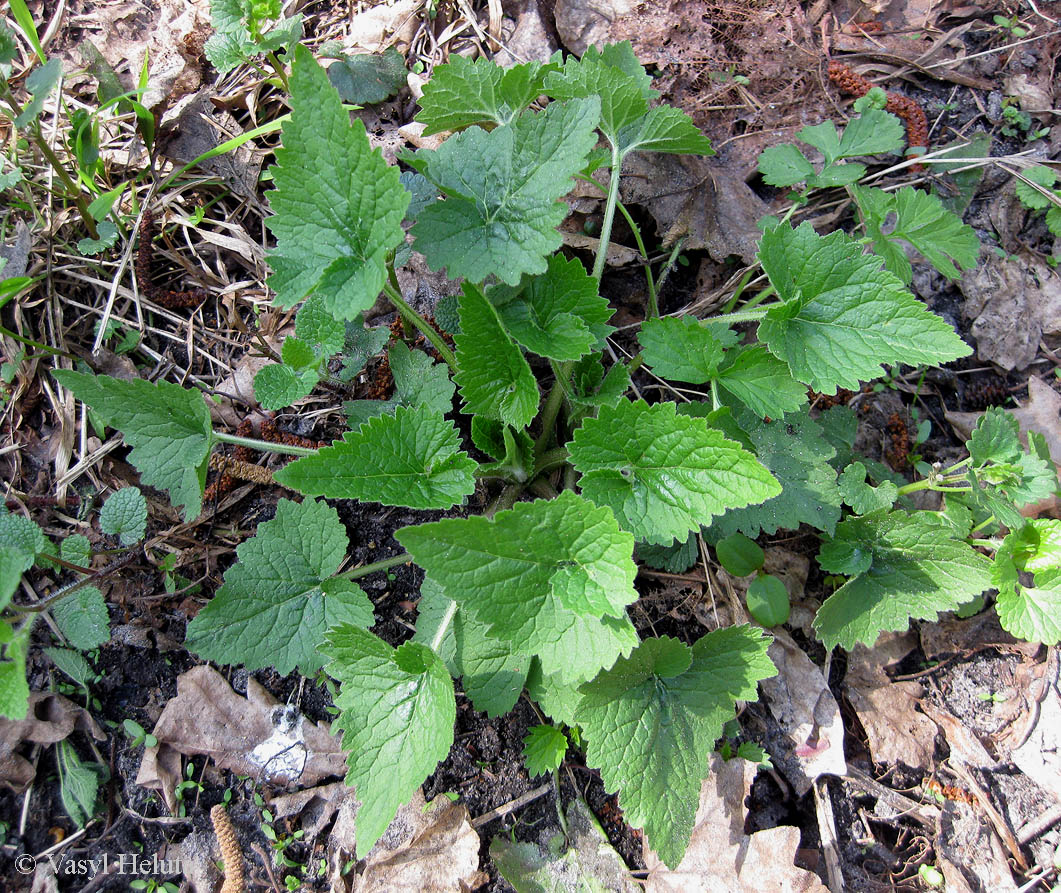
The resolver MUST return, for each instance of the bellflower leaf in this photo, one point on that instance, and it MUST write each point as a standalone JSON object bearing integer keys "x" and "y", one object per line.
{"x": 167, "y": 426}
{"x": 905, "y": 565}
{"x": 396, "y": 714}
{"x": 550, "y": 577}
{"x": 411, "y": 458}
{"x": 664, "y": 474}
{"x": 841, "y": 315}
{"x": 277, "y": 600}
{"x": 652, "y": 719}
{"x": 338, "y": 206}
{"x": 500, "y": 208}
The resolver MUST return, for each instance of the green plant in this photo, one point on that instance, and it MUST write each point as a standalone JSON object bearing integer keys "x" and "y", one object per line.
{"x": 1011, "y": 24}
{"x": 1036, "y": 191}
{"x": 1019, "y": 122}
{"x": 138, "y": 736}
{"x": 534, "y": 594}
{"x": 241, "y": 33}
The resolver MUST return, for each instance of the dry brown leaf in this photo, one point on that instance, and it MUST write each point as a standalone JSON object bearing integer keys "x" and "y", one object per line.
{"x": 382, "y": 25}
{"x": 200, "y": 127}
{"x": 721, "y": 858}
{"x": 49, "y": 719}
{"x": 800, "y": 700}
{"x": 970, "y": 853}
{"x": 429, "y": 847}
{"x": 316, "y": 805}
{"x": 1012, "y": 304}
{"x": 256, "y": 736}
{"x": 1039, "y": 756}
{"x": 170, "y": 32}
{"x": 702, "y": 200}
{"x": 530, "y": 36}
{"x": 895, "y": 730}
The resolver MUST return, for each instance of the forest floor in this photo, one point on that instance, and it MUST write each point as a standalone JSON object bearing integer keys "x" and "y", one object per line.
{"x": 940, "y": 769}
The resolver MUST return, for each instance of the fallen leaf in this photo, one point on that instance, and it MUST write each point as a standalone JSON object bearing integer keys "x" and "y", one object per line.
{"x": 428, "y": 847}
{"x": 721, "y": 858}
{"x": 200, "y": 127}
{"x": 256, "y": 736}
{"x": 1039, "y": 756}
{"x": 380, "y": 26}
{"x": 316, "y": 805}
{"x": 702, "y": 200}
{"x": 895, "y": 730}
{"x": 800, "y": 700}
{"x": 970, "y": 853}
{"x": 1012, "y": 304}
{"x": 49, "y": 719}
{"x": 172, "y": 40}
{"x": 531, "y": 38}
{"x": 585, "y": 862}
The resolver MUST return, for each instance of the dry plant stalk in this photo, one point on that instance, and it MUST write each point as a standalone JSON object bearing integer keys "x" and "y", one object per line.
{"x": 230, "y": 850}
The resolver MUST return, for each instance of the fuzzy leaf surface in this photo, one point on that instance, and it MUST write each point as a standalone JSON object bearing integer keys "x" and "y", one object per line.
{"x": 167, "y": 426}
{"x": 500, "y": 210}
{"x": 558, "y": 314}
{"x": 495, "y": 379}
{"x": 462, "y": 93}
{"x": 798, "y": 455}
{"x": 271, "y": 610}
{"x": 652, "y": 719}
{"x": 841, "y": 315}
{"x": 338, "y": 205}
{"x": 412, "y": 458}
{"x": 551, "y": 578}
{"x": 397, "y": 714}
{"x": 922, "y": 221}
{"x": 124, "y": 515}
{"x": 682, "y": 348}
{"x": 493, "y": 674}
{"x": 907, "y": 566}
{"x": 544, "y": 749}
{"x": 664, "y": 474}
{"x": 83, "y": 618}
{"x": 761, "y": 382}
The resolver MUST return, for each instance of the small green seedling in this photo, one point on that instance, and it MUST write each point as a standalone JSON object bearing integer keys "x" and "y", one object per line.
{"x": 137, "y": 734}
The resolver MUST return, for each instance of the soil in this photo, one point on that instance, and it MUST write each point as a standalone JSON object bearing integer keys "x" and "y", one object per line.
{"x": 137, "y": 670}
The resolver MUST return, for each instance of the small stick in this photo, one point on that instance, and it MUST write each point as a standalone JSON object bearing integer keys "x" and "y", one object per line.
{"x": 512, "y": 805}
{"x": 827, "y": 832}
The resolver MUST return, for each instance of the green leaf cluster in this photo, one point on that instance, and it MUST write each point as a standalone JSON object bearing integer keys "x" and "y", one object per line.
{"x": 576, "y": 462}
{"x": 873, "y": 132}
{"x": 242, "y": 31}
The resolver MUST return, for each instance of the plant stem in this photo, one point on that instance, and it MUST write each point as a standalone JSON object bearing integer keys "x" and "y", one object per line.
{"x": 505, "y": 500}
{"x": 550, "y": 411}
{"x": 274, "y": 63}
{"x": 29, "y": 342}
{"x": 754, "y": 301}
{"x": 422, "y": 324}
{"x": 609, "y": 216}
{"x": 383, "y": 564}
{"x": 447, "y": 619}
{"x": 550, "y": 460}
{"x": 263, "y": 445}
{"x": 73, "y": 192}
{"x": 732, "y": 302}
{"x": 653, "y": 302}
{"x": 737, "y": 317}
{"x": 61, "y": 593}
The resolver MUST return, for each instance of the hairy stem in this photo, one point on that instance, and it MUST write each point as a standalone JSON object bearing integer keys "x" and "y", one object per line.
{"x": 263, "y": 445}
{"x": 383, "y": 564}
{"x": 61, "y": 593}
{"x": 426, "y": 329}
{"x": 609, "y": 216}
